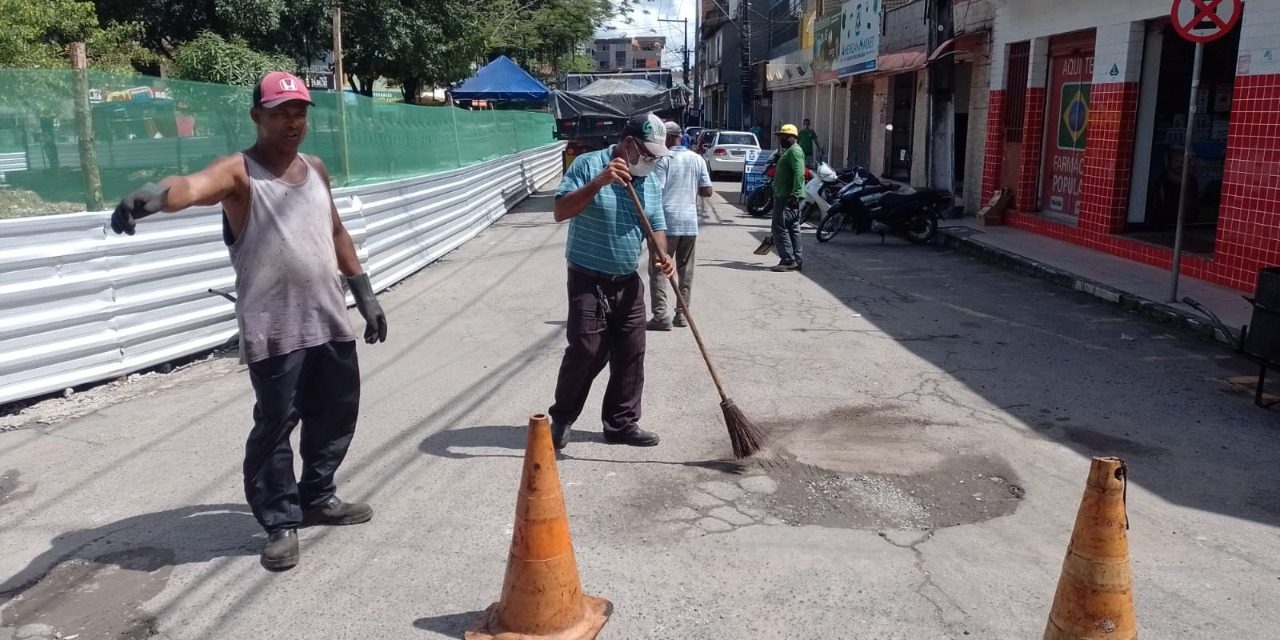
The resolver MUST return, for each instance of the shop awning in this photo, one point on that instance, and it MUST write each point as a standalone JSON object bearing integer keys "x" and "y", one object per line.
{"x": 961, "y": 43}
{"x": 902, "y": 61}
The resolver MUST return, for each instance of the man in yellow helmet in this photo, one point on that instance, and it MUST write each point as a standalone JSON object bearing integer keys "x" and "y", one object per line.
{"x": 788, "y": 189}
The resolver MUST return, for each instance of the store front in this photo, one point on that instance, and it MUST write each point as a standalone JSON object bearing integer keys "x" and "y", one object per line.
{"x": 1161, "y": 135}
{"x": 1092, "y": 149}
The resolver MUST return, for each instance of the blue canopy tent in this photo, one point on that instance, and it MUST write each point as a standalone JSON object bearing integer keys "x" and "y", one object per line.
{"x": 501, "y": 79}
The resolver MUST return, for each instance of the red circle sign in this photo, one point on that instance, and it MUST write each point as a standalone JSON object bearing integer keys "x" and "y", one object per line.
{"x": 1203, "y": 21}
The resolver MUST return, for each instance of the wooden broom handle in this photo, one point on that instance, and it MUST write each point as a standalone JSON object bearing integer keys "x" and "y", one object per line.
{"x": 680, "y": 303}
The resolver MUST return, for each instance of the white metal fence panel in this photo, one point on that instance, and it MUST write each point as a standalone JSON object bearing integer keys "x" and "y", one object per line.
{"x": 79, "y": 304}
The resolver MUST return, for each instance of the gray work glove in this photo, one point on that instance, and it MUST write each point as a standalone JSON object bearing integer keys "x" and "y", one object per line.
{"x": 146, "y": 200}
{"x": 367, "y": 303}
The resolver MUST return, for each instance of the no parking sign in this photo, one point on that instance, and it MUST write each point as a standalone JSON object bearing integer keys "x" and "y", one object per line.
{"x": 1203, "y": 21}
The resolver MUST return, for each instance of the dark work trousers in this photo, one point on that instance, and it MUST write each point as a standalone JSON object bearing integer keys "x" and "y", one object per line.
{"x": 319, "y": 386}
{"x": 606, "y": 325}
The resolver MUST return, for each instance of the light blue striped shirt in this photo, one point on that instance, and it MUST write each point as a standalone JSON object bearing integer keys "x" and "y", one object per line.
{"x": 681, "y": 174}
{"x": 607, "y": 236}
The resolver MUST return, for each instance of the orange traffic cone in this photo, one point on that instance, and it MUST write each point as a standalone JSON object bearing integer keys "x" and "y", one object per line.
{"x": 541, "y": 595}
{"x": 1095, "y": 591}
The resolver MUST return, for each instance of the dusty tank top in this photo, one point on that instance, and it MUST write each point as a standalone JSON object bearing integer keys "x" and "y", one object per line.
{"x": 288, "y": 287}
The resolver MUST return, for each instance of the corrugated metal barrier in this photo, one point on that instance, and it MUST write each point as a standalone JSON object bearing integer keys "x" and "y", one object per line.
{"x": 79, "y": 304}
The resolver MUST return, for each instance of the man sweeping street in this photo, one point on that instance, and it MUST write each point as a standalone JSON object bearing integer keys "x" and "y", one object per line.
{"x": 684, "y": 178}
{"x": 788, "y": 189}
{"x": 287, "y": 247}
{"x": 606, "y": 322}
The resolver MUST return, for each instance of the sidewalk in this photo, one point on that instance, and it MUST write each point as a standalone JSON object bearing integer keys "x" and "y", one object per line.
{"x": 1135, "y": 286}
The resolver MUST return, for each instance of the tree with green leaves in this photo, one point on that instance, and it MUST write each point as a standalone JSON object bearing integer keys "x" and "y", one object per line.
{"x": 37, "y": 34}
{"x": 211, "y": 58}
{"x": 415, "y": 43}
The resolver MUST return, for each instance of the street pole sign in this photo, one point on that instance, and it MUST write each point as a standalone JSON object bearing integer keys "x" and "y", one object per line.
{"x": 1201, "y": 22}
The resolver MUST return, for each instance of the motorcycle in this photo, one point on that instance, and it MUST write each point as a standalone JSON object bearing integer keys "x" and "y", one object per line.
{"x": 867, "y": 204}
{"x": 760, "y": 202}
{"x": 821, "y": 191}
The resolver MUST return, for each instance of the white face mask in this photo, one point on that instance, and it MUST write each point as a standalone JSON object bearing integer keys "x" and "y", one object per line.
{"x": 642, "y": 167}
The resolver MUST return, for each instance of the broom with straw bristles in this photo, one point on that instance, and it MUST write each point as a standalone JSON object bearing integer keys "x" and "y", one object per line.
{"x": 743, "y": 434}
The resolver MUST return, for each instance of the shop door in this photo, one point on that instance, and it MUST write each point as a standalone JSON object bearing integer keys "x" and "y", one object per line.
{"x": 898, "y": 142}
{"x": 1066, "y": 123}
{"x": 860, "y": 100}
{"x": 1015, "y": 107}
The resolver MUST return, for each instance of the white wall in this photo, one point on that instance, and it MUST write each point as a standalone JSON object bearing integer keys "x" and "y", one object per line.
{"x": 1018, "y": 20}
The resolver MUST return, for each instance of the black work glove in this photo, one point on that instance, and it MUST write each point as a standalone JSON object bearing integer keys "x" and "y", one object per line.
{"x": 362, "y": 289}
{"x": 148, "y": 199}
{"x": 793, "y": 202}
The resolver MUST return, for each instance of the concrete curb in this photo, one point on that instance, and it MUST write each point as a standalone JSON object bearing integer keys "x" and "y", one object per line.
{"x": 1188, "y": 319}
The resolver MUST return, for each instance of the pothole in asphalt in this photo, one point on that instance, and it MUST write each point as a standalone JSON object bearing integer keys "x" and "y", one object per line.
{"x": 90, "y": 598}
{"x": 858, "y": 468}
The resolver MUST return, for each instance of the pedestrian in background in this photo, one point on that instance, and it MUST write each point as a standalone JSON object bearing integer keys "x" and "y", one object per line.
{"x": 808, "y": 139}
{"x": 288, "y": 247}
{"x": 606, "y": 323}
{"x": 788, "y": 188}
{"x": 684, "y": 178}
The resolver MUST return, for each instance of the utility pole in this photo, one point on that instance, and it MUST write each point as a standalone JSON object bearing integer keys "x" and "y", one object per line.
{"x": 685, "y": 45}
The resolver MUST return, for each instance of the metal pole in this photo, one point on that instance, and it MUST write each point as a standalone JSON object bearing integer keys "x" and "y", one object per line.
{"x": 1186, "y": 171}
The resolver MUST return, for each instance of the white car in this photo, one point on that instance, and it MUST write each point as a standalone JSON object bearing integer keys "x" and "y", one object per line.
{"x": 727, "y": 151}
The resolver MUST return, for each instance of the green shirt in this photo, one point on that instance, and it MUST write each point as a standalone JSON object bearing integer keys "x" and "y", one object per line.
{"x": 788, "y": 180}
{"x": 807, "y": 139}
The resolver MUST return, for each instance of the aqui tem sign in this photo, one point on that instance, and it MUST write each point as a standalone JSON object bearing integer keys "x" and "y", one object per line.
{"x": 1203, "y": 21}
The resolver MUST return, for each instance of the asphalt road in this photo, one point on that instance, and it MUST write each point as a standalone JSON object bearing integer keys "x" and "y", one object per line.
{"x": 931, "y": 417}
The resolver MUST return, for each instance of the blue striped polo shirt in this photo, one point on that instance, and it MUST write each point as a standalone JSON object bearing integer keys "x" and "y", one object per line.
{"x": 607, "y": 236}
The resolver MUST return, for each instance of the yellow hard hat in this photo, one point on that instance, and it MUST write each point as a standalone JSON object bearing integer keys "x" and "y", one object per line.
{"x": 788, "y": 130}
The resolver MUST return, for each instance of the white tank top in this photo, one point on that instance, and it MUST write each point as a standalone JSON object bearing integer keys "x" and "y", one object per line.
{"x": 288, "y": 287}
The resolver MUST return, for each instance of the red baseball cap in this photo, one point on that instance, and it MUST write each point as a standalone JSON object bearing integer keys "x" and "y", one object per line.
{"x": 279, "y": 87}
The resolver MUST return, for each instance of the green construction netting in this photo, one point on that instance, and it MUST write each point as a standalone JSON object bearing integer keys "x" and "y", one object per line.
{"x": 145, "y": 128}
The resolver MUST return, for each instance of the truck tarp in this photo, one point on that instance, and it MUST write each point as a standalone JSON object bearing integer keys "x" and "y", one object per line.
{"x": 613, "y": 98}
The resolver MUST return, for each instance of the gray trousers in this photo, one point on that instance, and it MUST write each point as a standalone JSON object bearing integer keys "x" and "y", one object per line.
{"x": 681, "y": 250}
{"x": 786, "y": 231}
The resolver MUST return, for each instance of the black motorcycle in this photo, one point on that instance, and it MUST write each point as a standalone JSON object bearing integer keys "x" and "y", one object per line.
{"x": 867, "y": 204}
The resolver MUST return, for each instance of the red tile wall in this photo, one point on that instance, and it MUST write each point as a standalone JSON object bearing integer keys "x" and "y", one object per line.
{"x": 993, "y": 161}
{"x": 1032, "y": 136}
{"x": 1249, "y": 216}
{"x": 1108, "y": 158}
{"x": 1248, "y": 237}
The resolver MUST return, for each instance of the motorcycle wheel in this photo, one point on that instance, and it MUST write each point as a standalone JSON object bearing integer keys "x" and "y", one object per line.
{"x": 760, "y": 202}
{"x": 830, "y": 226}
{"x": 921, "y": 228}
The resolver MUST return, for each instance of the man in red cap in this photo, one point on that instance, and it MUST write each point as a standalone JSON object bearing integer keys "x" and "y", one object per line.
{"x": 287, "y": 246}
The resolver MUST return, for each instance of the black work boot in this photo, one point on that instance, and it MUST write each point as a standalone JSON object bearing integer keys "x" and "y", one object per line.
{"x": 334, "y": 512}
{"x": 635, "y": 437}
{"x": 560, "y": 434}
{"x": 281, "y": 550}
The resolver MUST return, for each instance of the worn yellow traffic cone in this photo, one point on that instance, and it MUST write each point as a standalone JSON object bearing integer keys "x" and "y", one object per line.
{"x": 1095, "y": 591}
{"x": 541, "y": 595}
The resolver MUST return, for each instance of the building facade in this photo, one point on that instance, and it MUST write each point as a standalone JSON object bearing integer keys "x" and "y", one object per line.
{"x": 620, "y": 54}
{"x": 1087, "y": 126}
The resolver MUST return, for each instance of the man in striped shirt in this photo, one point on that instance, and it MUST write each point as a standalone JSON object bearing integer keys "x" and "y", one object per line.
{"x": 684, "y": 178}
{"x": 606, "y": 321}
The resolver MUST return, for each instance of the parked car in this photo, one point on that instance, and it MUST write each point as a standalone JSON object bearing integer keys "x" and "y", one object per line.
{"x": 726, "y": 151}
